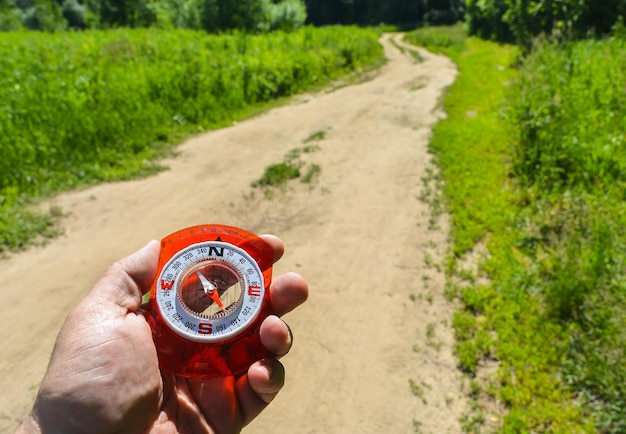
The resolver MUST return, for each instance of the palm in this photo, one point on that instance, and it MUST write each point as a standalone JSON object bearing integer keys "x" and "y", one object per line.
{"x": 104, "y": 359}
{"x": 199, "y": 406}
{"x": 104, "y": 373}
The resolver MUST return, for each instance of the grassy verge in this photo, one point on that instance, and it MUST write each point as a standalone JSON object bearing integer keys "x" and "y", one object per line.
{"x": 532, "y": 158}
{"x": 80, "y": 108}
{"x": 570, "y": 112}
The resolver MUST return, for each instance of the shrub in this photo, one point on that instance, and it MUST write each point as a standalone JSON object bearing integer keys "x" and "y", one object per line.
{"x": 74, "y": 13}
{"x": 288, "y": 15}
{"x": 44, "y": 16}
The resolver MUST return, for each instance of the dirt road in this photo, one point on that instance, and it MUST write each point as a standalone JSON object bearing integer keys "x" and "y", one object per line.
{"x": 373, "y": 345}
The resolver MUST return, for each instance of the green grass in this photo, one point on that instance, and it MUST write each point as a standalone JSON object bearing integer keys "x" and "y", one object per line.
{"x": 85, "y": 107}
{"x": 312, "y": 173}
{"x": 279, "y": 174}
{"x": 532, "y": 157}
{"x": 570, "y": 111}
{"x": 449, "y": 40}
{"x": 316, "y": 136}
{"x": 475, "y": 138}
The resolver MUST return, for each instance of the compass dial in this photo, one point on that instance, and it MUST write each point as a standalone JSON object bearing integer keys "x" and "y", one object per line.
{"x": 210, "y": 291}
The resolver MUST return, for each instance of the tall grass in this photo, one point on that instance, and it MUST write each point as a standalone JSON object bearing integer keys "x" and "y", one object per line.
{"x": 79, "y": 108}
{"x": 533, "y": 157}
{"x": 570, "y": 110}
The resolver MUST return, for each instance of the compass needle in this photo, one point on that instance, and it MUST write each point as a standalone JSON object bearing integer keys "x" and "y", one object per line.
{"x": 206, "y": 285}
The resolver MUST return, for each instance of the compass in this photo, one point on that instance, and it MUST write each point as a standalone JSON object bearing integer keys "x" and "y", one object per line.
{"x": 208, "y": 300}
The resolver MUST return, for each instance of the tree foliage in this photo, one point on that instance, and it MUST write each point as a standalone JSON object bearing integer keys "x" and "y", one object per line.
{"x": 522, "y": 20}
{"x": 222, "y": 15}
{"x": 372, "y": 12}
{"x": 288, "y": 15}
{"x": 43, "y": 15}
{"x": 211, "y": 15}
{"x": 10, "y": 16}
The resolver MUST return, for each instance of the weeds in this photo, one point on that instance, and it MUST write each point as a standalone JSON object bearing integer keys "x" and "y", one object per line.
{"x": 277, "y": 175}
{"x": 417, "y": 390}
{"x": 536, "y": 175}
{"x": 311, "y": 174}
{"x": 316, "y": 136}
{"x": 570, "y": 115}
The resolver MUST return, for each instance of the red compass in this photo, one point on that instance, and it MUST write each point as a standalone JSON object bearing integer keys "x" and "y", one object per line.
{"x": 208, "y": 301}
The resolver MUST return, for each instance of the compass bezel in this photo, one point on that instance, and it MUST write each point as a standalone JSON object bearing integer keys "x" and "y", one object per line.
{"x": 197, "y": 327}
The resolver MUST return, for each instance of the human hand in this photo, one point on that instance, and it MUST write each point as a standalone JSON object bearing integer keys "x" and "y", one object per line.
{"x": 104, "y": 377}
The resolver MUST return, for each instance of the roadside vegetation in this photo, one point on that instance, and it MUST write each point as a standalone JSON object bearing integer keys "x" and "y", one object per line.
{"x": 278, "y": 175}
{"x": 79, "y": 108}
{"x": 254, "y": 16}
{"x": 532, "y": 155}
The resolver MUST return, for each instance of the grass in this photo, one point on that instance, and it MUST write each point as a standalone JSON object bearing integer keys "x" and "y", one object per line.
{"x": 417, "y": 58}
{"x": 85, "y": 107}
{"x": 532, "y": 159}
{"x": 570, "y": 110}
{"x": 279, "y": 174}
{"x": 449, "y": 40}
{"x": 311, "y": 174}
{"x": 418, "y": 390}
{"x": 316, "y": 136}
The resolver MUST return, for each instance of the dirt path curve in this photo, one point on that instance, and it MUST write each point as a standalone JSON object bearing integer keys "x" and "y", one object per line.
{"x": 372, "y": 349}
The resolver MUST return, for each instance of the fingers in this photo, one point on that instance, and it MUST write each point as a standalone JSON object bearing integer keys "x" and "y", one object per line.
{"x": 259, "y": 387}
{"x": 266, "y": 377}
{"x": 276, "y": 244}
{"x": 127, "y": 280}
{"x": 288, "y": 292}
{"x": 141, "y": 266}
{"x": 276, "y": 335}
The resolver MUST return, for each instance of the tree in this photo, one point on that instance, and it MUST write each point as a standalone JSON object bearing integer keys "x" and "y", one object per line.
{"x": 288, "y": 15}
{"x": 247, "y": 15}
{"x": 186, "y": 14}
{"x": 10, "y": 16}
{"x": 373, "y": 12}
{"x": 211, "y": 15}
{"x": 522, "y": 20}
{"x": 485, "y": 19}
{"x": 43, "y": 15}
{"x": 74, "y": 13}
{"x": 444, "y": 11}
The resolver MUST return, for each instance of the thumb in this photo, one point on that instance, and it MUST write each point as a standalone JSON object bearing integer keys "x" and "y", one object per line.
{"x": 125, "y": 282}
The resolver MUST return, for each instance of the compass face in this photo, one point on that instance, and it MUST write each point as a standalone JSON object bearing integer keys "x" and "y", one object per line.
{"x": 210, "y": 292}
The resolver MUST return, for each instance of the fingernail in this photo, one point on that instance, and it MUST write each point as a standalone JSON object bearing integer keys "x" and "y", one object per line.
{"x": 268, "y": 368}
{"x": 290, "y": 336}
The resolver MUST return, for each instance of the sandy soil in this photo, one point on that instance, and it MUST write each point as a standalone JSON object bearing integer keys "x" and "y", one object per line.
{"x": 373, "y": 345}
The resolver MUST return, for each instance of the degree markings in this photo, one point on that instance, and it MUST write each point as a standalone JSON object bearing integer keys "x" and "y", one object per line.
{"x": 187, "y": 324}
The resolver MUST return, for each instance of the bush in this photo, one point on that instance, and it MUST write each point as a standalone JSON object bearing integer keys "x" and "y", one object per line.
{"x": 44, "y": 16}
{"x": 504, "y": 20}
{"x": 74, "y": 13}
{"x": 538, "y": 178}
{"x": 10, "y": 16}
{"x": 569, "y": 107}
{"x": 288, "y": 15}
{"x": 570, "y": 111}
